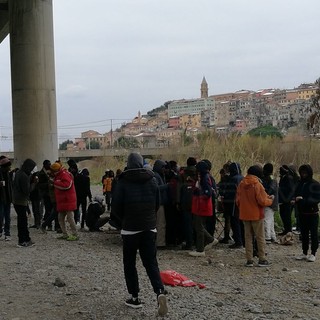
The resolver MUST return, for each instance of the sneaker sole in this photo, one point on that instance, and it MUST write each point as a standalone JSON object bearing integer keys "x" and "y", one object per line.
{"x": 163, "y": 308}
{"x": 133, "y": 305}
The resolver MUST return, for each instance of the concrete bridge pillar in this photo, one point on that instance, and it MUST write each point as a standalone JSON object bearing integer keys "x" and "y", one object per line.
{"x": 33, "y": 80}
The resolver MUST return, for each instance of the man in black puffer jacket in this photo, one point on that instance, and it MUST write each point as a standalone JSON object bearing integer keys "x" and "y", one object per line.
{"x": 135, "y": 203}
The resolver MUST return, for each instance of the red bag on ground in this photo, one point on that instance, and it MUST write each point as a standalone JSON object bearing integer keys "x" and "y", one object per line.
{"x": 173, "y": 278}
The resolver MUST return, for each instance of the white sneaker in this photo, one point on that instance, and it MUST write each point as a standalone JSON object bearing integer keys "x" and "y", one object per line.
{"x": 197, "y": 254}
{"x": 7, "y": 238}
{"x": 301, "y": 257}
{"x": 211, "y": 244}
{"x": 108, "y": 227}
{"x": 311, "y": 258}
{"x": 162, "y": 305}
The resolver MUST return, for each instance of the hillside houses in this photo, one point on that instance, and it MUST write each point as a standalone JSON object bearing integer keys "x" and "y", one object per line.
{"x": 223, "y": 113}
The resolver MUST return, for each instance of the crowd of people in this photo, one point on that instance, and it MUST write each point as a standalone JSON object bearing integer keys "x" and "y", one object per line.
{"x": 164, "y": 206}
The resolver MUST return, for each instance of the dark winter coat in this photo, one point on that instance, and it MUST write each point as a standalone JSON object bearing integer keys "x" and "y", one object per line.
{"x": 309, "y": 190}
{"x": 229, "y": 189}
{"x": 271, "y": 187}
{"x": 21, "y": 184}
{"x": 5, "y": 191}
{"x": 187, "y": 182}
{"x": 163, "y": 187}
{"x": 82, "y": 185}
{"x": 136, "y": 197}
{"x": 286, "y": 187}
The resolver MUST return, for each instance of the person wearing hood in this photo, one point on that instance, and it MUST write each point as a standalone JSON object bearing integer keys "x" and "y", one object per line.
{"x": 307, "y": 198}
{"x": 5, "y": 197}
{"x": 159, "y": 172}
{"x": 228, "y": 195}
{"x": 286, "y": 198}
{"x": 20, "y": 196}
{"x": 188, "y": 178}
{"x": 135, "y": 202}
{"x": 201, "y": 210}
{"x": 251, "y": 198}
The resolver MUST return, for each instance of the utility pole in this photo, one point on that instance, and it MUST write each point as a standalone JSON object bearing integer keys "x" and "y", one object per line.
{"x": 111, "y": 138}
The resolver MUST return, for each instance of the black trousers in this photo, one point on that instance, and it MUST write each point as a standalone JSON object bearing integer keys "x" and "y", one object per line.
{"x": 285, "y": 214}
{"x": 309, "y": 225}
{"x": 232, "y": 210}
{"x": 23, "y": 231}
{"x": 145, "y": 242}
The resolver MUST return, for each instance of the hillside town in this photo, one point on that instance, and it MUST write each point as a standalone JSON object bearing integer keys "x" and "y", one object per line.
{"x": 237, "y": 112}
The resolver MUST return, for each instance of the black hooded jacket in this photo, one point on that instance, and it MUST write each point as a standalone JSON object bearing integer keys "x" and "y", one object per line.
{"x": 309, "y": 190}
{"x": 21, "y": 183}
{"x": 230, "y": 186}
{"x": 136, "y": 196}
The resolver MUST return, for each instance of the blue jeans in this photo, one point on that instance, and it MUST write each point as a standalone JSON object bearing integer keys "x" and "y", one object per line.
{"x": 145, "y": 242}
{"x": 5, "y": 216}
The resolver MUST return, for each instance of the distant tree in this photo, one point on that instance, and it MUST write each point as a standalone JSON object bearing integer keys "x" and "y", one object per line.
{"x": 265, "y": 131}
{"x": 63, "y": 145}
{"x": 93, "y": 145}
{"x": 159, "y": 109}
{"x": 127, "y": 142}
{"x": 313, "y": 121}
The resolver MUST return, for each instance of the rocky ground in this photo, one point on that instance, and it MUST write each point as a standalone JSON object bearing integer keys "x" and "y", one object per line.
{"x": 91, "y": 269}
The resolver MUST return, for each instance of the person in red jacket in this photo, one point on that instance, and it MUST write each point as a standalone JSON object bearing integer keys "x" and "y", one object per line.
{"x": 251, "y": 198}
{"x": 66, "y": 198}
{"x": 201, "y": 209}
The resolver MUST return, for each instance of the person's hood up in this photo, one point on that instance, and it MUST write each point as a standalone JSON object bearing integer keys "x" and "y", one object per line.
{"x": 284, "y": 169}
{"x": 135, "y": 161}
{"x": 249, "y": 181}
{"x": 27, "y": 166}
{"x": 255, "y": 170}
{"x": 158, "y": 166}
{"x": 234, "y": 168}
{"x": 306, "y": 168}
{"x": 85, "y": 172}
{"x": 202, "y": 167}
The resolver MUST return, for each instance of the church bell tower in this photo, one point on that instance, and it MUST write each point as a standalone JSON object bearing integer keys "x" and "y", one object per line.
{"x": 204, "y": 88}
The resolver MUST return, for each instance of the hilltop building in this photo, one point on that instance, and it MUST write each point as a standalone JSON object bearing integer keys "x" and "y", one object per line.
{"x": 192, "y": 106}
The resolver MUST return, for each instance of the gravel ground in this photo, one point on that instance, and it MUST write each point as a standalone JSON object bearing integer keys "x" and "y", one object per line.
{"x": 95, "y": 289}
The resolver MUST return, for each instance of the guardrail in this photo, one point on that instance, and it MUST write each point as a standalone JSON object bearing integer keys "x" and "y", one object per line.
{"x": 96, "y": 153}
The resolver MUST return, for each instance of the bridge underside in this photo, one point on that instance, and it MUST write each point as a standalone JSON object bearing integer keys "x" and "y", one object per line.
{"x": 4, "y": 19}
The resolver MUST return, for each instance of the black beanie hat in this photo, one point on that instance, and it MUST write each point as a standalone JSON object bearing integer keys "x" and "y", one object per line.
{"x": 191, "y": 161}
{"x": 268, "y": 169}
{"x": 208, "y": 162}
{"x": 255, "y": 170}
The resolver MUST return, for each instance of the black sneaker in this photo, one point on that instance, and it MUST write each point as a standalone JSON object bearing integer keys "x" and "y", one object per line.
{"x": 134, "y": 303}
{"x": 25, "y": 244}
{"x": 224, "y": 240}
{"x": 249, "y": 263}
{"x": 235, "y": 246}
{"x": 162, "y": 305}
{"x": 263, "y": 263}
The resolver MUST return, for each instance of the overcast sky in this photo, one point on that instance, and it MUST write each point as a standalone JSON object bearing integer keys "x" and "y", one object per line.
{"x": 116, "y": 57}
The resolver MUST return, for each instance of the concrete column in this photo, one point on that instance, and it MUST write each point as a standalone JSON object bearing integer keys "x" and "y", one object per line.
{"x": 33, "y": 80}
